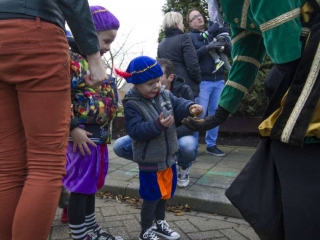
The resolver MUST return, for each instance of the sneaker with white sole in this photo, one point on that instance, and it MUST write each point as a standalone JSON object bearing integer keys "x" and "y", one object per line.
{"x": 148, "y": 234}
{"x": 183, "y": 177}
{"x": 215, "y": 151}
{"x": 91, "y": 236}
{"x": 218, "y": 66}
{"x": 96, "y": 233}
{"x": 163, "y": 230}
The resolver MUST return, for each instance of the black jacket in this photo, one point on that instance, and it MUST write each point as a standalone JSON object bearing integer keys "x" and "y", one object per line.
{"x": 75, "y": 12}
{"x": 178, "y": 48}
{"x": 206, "y": 62}
{"x": 181, "y": 90}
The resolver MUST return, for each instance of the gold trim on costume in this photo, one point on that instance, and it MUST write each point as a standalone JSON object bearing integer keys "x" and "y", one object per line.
{"x": 247, "y": 59}
{"x": 305, "y": 31}
{"x": 237, "y": 86}
{"x": 283, "y": 18}
{"x": 145, "y": 69}
{"x": 313, "y": 74}
{"x": 239, "y": 36}
{"x": 244, "y": 16}
{"x": 242, "y": 35}
{"x": 98, "y": 11}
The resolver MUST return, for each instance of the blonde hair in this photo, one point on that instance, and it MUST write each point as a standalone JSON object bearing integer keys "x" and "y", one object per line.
{"x": 171, "y": 19}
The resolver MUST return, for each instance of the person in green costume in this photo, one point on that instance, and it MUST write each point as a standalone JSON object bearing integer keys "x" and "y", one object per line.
{"x": 289, "y": 32}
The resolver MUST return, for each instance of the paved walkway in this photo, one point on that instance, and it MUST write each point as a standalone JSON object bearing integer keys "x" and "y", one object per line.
{"x": 210, "y": 176}
{"x": 212, "y": 216}
{"x": 123, "y": 220}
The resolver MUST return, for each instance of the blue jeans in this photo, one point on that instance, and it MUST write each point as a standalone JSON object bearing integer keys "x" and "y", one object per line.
{"x": 122, "y": 147}
{"x": 188, "y": 149}
{"x": 208, "y": 98}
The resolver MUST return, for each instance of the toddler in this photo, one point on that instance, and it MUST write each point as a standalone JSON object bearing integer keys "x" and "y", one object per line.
{"x": 87, "y": 155}
{"x": 151, "y": 114}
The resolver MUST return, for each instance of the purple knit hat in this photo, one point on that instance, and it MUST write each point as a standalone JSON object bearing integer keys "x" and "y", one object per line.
{"x": 103, "y": 19}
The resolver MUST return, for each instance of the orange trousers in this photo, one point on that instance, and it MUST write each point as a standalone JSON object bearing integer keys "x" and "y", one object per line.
{"x": 34, "y": 123}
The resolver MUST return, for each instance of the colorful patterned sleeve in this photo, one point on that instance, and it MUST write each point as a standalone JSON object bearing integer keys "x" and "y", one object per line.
{"x": 78, "y": 70}
{"x": 91, "y": 105}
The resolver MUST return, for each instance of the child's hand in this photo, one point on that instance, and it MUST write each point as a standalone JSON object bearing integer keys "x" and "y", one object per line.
{"x": 196, "y": 110}
{"x": 166, "y": 122}
{"x": 80, "y": 140}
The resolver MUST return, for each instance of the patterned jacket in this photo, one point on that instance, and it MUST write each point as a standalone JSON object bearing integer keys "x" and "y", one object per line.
{"x": 92, "y": 108}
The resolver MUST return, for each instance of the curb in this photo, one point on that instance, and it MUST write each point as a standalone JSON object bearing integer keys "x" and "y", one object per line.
{"x": 215, "y": 203}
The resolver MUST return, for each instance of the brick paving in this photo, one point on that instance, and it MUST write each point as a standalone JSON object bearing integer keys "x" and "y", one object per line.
{"x": 123, "y": 219}
{"x": 209, "y": 175}
{"x": 212, "y": 216}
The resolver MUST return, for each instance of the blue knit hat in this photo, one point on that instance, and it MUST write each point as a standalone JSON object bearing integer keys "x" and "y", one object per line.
{"x": 103, "y": 19}
{"x": 140, "y": 70}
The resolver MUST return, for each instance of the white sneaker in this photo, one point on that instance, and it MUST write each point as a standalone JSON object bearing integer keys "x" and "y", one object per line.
{"x": 183, "y": 177}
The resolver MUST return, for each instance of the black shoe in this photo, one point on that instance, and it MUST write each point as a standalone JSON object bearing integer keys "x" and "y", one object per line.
{"x": 215, "y": 151}
{"x": 162, "y": 229}
{"x": 148, "y": 234}
{"x": 97, "y": 233}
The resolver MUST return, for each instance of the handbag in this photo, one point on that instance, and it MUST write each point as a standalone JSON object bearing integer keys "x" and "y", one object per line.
{"x": 256, "y": 193}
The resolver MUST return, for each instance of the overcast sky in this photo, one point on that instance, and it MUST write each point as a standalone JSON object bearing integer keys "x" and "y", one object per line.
{"x": 142, "y": 17}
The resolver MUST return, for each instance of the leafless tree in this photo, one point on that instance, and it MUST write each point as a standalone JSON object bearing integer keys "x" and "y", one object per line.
{"x": 120, "y": 54}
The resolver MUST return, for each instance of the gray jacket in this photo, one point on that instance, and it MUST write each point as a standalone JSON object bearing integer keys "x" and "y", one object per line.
{"x": 154, "y": 146}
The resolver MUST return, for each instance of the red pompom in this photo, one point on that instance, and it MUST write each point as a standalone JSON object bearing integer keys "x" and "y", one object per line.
{"x": 122, "y": 73}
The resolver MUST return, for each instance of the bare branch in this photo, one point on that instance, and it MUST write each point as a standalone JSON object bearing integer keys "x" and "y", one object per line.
{"x": 119, "y": 54}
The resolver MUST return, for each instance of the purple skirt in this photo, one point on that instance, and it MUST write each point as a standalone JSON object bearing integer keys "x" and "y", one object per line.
{"x": 86, "y": 174}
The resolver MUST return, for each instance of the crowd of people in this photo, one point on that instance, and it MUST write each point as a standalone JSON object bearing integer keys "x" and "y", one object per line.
{"x": 173, "y": 97}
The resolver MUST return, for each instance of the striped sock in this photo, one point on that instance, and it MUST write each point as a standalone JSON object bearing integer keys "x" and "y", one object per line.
{"x": 91, "y": 221}
{"x": 78, "y": 231}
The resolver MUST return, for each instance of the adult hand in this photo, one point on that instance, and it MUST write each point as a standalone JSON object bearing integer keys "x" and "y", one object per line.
{"x": 216, "y": 45}
{"x": 166, "y": 122}
{"x": 80, "y": 140}
{"x": 208, "y": 122}
{"x": 97, "y": 72}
